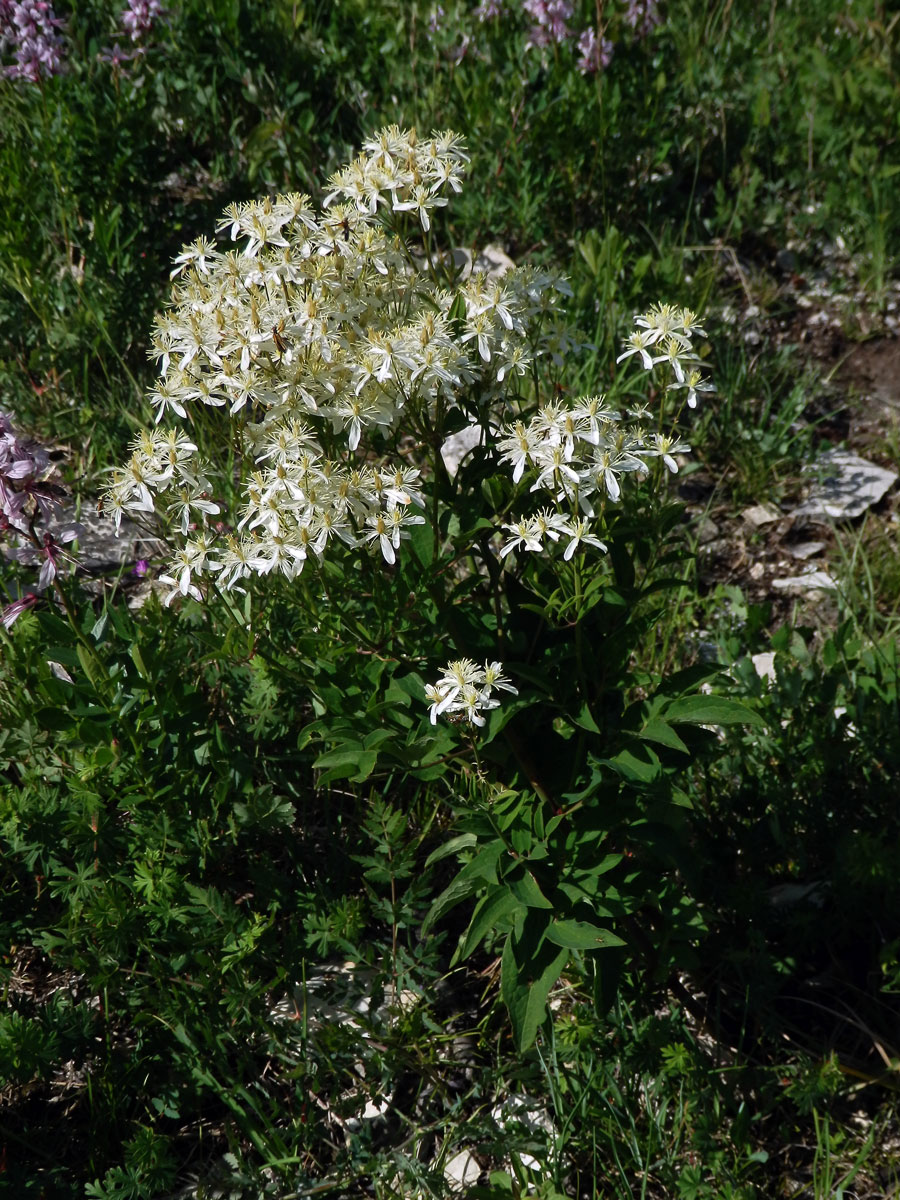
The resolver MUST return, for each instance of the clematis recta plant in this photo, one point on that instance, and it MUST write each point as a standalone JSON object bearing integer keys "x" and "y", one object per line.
{"x": 310, "y": 377}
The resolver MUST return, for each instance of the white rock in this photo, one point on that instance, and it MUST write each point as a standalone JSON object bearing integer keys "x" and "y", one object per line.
{"x": 462, "y": 1171}
{"x": 492, "y": 260}
{"x": 851, "y": 485}
{"x": 458, "y": 445}
{"x": 787, "y": 894}
{"x": 804, "y": 550}
{"x": 527, "y": 1114}
{"x": 812, "y": 581}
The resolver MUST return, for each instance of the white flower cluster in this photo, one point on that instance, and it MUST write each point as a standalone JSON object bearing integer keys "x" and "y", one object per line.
{"x": 663, "y": 335}
{"x": 463, "y": 692}
{"x": 580, "y": 451}
{"x": 291, "y": 354}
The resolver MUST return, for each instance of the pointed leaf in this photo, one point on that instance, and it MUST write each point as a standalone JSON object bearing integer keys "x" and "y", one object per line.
{"x": 526, "y": 986}
{"x": 524, "y": 887}
{"x": 711, "y": 710}
{"x": 658, "y": 731}
{"x": 458, "y": 843}
{"x": 581, "y": 935}
{"x": 489, "y": 912}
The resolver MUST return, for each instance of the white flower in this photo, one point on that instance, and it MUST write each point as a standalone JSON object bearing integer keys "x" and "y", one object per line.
{"x": 471, "y": 702}
{"x": 576, "y": 530}
{"x": 436, "y": 695}
{"x": 494, "y": 678}
{"x": 637, "y": 343}
{"x": 382, "y": 531}
{"x": 660, "y": 321}
{"x": 525, "y": 534}
{"x": 694, "y": 382}
{"x": 665, "y": 447}
{"x": 673, "y": 352}
{"x": 195, "y": 256}
{"x": 517, "y": 448}
{"x": 422, "y": 202}
{"x": 464, "y": 691}
{"x": 555, "y": 469}
{"x": 319, "y": 340}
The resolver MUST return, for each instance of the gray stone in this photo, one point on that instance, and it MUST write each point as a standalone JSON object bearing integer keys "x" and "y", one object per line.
{"x": 459, "y": 444}
{"x": 761, "y": 514}
{"x": 494, "y": 261}
{"x": 850, "y": 485}
{"x": 707, "y": 531}
{"x": 462, "y": 1171}
{"x": 100, "y": 550}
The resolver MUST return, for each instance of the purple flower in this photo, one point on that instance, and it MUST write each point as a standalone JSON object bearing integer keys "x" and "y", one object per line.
{"x": 25, "y": 500}
{"x": 593, "y": 56}
{"x": 116, "y": 56}
{"x": 12, "y": 509}
{"x": 434, "y": 21}
{"x": 12, "y": 612}
{"x": 137, "y": 19}
{"x": 488, "y": 9}
{"x": 28, "y": 28}
{"x": 21, "y": 468}
{"x": 49, "y": 553}
{"x": 642, "y": 16}
{"x": 141, "y": 567}
{"x": 551, "y": 18}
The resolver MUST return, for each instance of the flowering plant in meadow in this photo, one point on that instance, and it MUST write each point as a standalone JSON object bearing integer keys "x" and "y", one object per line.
{"x": 137, "y": 21}
{"x": 28, "y": 506}
{"x": 310, "y": 378}
{"x": 139, "y": 16}
{"x": 31, "y": 35}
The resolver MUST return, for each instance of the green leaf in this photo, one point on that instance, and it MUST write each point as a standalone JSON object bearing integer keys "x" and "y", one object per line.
{"x": 55, "y": 719}
{"x": 55, "y": 627}
{"x": 525, "y": 987}
{"x": 524, "y": 887}
{"x": 606, "y": 863}
{"x": 457, "y": 314}
{"x": 711, "y": 710}
{"x": 482, "y": 869}
{"x": 88, "y": 663}
{"x": 462, "y": 842}
{"x": 640, "y": 770}
{"x": 663, "y": 734}
{"x": 489, "y": 912}
{"x": 421, "y": 544}
{"x": 349, "y": 762}
{"x": 376, "y": 737}
{"x": 584, "y": 720}
{"x": 138, "y": 659}
{"x": 581, "y": 935}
